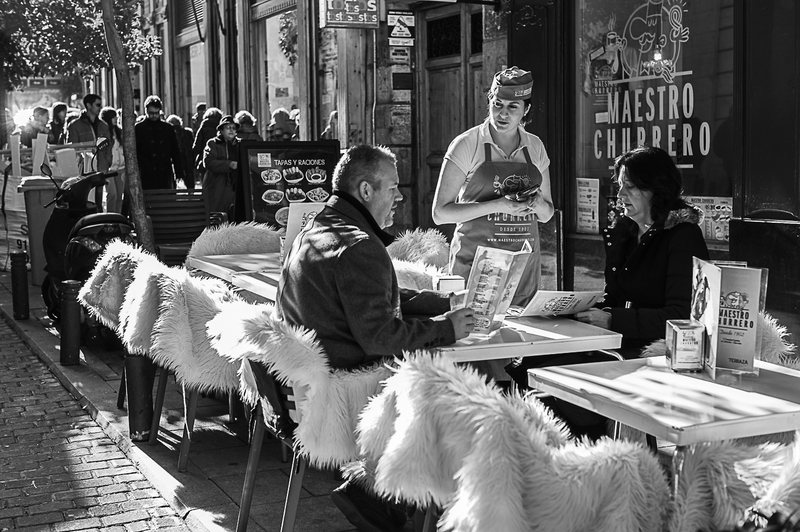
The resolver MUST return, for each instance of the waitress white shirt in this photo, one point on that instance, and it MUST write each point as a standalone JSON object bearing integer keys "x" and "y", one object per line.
{"x": 467, "y": 153}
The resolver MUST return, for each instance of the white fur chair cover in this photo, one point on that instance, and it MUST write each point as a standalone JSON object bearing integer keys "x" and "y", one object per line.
{"x": 332, "y": 400}
{"x": 142, "y": 301}
{"x": 440, "y": 434}
{"x": 427, "y": 246}
{"x": 103, "y": 293}
{"x": 180, "y": 340}
{"x": 230, "y": 239}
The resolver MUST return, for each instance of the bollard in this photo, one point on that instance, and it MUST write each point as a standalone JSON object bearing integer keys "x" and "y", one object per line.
{"x": 139, "y": 376}
{"x": 70, "y": 323}
{"x": 19, "y": 285}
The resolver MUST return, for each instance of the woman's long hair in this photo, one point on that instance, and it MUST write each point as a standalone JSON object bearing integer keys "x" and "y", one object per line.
{"x": 107, "y": 115}
{"x": 652, "y": 169}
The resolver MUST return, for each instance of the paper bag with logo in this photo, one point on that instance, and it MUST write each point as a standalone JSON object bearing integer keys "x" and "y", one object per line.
{"x": 493, "y": 280}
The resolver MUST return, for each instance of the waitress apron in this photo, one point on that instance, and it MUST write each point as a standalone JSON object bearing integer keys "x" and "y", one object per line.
{"x": 492, "y": 180}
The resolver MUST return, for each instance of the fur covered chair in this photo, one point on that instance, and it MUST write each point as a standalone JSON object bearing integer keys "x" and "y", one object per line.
{"x": 439, "y": 434}
{"x": 180, "y": 344}
{"x": 231, "y": 239}
{"x": 327, "y": 402}
{"x": 104, "y": 292}
{"x": 427, "y": 246}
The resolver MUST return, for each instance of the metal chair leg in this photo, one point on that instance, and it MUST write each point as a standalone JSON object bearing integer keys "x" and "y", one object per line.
{"x": 284, "y": 453}
{"x": 431, "y": 518}
{"x": 652, "y": 443}
{"x": 190, "y": 408}
{"x": 293, "y": 493}
{"x": 121, "y": 393}
{"x": 159, "y": 406}
{"x": 250, "y": 473}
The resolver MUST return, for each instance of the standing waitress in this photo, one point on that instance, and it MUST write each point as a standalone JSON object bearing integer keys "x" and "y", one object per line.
{"x": 482, "y": 166}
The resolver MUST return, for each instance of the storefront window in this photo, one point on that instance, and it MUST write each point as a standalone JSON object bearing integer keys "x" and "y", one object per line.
{"x": 329, "y": 83}
{"x": 277, "y": 72}
{"x": 657, "y": 73}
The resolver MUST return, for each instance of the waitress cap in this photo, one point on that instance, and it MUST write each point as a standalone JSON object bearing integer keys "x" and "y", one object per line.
{"x": 512, "y": 84}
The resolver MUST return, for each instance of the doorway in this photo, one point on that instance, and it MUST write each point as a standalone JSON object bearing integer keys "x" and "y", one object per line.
{"x": 450, "y": 93}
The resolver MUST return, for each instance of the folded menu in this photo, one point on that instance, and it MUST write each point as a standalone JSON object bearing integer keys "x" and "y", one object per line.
{"x": 556, "y": 303}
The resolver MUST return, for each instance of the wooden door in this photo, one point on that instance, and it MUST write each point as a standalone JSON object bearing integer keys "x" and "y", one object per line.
{"x": 449, "y": 92}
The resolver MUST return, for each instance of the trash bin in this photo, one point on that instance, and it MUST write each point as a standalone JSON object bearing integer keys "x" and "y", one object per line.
{"x": 39, "y": 191}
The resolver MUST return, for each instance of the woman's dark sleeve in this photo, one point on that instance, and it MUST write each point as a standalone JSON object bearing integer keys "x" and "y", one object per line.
{"x": 686, "y": 242}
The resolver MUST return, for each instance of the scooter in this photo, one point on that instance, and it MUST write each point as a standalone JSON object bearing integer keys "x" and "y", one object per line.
{"x": 76, "y": 234}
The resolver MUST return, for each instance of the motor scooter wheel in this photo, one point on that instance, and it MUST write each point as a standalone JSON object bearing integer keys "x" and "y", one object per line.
{"x": 51, "y": 299}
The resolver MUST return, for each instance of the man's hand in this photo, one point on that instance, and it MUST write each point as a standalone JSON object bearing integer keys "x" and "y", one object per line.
{"x": 462, "y": 321}
{"x": 596, "y": 317}
{"x": 234, "y": 165}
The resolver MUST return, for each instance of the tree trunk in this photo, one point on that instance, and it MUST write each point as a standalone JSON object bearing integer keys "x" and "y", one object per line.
{"x": 118, "y": 58}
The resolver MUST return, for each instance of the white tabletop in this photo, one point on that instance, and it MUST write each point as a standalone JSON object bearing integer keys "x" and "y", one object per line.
{"x": 226, "y": 266}
{"x": 532, "y": 336}
{"x": 682, "y": 408}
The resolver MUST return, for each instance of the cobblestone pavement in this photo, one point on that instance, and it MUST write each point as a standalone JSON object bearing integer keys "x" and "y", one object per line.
{"x": 58, "y": 469}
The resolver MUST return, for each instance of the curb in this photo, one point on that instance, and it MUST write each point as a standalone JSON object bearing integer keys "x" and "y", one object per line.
{"x": 36, "y": 341}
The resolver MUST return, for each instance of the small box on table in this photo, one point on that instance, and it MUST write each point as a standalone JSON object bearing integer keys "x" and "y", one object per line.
{"x": 685, "y": 342}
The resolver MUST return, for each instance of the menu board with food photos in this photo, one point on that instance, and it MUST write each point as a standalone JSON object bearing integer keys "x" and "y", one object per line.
{"x": 277, "y": 174}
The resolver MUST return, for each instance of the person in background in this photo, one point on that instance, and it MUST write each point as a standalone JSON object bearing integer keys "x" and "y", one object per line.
{"x": 185, "y": 139}
{"x": 294, "y": 116}
{"x": 88, "y": 127}
{"x": 206, "y": 132}
{"x": 332, "y": 129}
{"x": 648, "y": 270}
{"x": 37, "y": 124}
{"x": 56, "y": 125}
{"x": 281, "y": 127}
{"x": 247, "y": 126}
{"x": 338, "y": 280}
{"x": 115, "y": 186}
{"x": 221, "y": 161}
{"x": 482, "y": 168}
{"x": 197, "y": 117}
{"x": 157, "y": 149}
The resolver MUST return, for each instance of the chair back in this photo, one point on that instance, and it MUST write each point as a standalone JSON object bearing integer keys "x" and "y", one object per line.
{"x": 176, "y": 217}
{"x": 280, "y": 410}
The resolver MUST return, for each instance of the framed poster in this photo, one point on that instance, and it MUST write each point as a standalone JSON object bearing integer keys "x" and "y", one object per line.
{"x": 276, "y": 174}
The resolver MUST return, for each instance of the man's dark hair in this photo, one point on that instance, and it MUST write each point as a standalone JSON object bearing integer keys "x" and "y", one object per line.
{"x": 360, "y": 163}
{"x": 201, "y": 106}
{"x": 153, "y": 101}
{"x": 89, "y": 99}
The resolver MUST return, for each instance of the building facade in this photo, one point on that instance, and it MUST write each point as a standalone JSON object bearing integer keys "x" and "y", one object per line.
{"x": 712, "y": 82}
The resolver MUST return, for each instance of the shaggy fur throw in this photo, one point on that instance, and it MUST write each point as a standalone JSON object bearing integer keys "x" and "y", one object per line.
{"x": 230, "y": 239}
{"x": 103, "y": 293}
{"x": 427, "y": 246}
{"x": 414, "y": 275}
{"x": 143, "y": 298}
{"x": 180, "y": 341}
{"x": 331, "y": 400}
{"x": 440, "y": 434}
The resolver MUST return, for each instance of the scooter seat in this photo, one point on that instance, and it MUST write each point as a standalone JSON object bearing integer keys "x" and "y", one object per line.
{"x": 99, "y": 219}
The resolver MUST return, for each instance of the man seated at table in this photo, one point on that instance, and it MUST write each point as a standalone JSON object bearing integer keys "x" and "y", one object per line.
{"x": 339, "y": 281}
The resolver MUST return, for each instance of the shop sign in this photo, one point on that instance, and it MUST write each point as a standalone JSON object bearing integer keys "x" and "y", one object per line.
{"x": 588, "y": 205}
{"x": 640, "y": 82}
{"x": 401, "y": 28}
{"x": 348, "y": 14}
{"x": 278, "y": 174}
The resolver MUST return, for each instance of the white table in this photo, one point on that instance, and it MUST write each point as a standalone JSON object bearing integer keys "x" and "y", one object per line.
{"x": 681, "y": 408}
{"x": 259, "y": 274}
{"x": 226, "y": 266}
{"x": 532, "y": 336}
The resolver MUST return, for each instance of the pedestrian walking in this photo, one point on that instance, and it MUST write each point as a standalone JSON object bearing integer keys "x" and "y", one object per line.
{"x": 88, "y": 127}
{"x": 207, "y": 131}
{"x": 157, "y": 148}
{"x": 247, "y": 126}
{"x": 58, "y": 132}
{"x": 115, "y": 186}
{"x": 185, "y": 139}
{"x": 221, "y": 161}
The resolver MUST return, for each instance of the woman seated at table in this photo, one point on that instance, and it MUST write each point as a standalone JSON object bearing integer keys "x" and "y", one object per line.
{"x": 648, "y": 272}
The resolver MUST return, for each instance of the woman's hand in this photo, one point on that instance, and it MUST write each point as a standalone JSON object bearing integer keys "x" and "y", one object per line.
{"x": 514, "y": 208}
{"x": 596, "y": 317}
